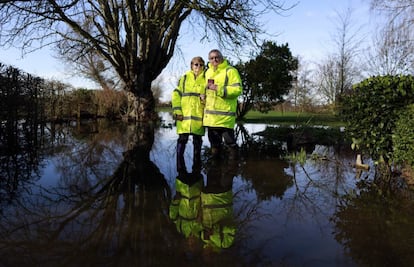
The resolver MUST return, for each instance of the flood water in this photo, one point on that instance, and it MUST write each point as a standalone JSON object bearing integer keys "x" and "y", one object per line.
{"x": 106, "y": 194}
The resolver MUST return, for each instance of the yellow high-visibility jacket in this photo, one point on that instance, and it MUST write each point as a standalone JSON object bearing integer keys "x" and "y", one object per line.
{"x": 186, "y": 101}
{"x": 218, "y": 218}
{"x": 185, "y": 208}
{"x": 221, "y": 105}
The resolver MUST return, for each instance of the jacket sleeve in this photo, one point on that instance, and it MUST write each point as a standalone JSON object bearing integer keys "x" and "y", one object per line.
{"x": 176, "y": 98}
{"x": 233, "y": 87}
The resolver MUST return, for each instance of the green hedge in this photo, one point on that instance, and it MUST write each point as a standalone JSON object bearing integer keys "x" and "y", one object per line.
{"x": 372, "y": 110}
{"x": 403, "y": 137}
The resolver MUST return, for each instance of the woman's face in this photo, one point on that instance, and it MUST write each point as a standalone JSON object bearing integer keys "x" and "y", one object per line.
{"x": 197, "y": 66}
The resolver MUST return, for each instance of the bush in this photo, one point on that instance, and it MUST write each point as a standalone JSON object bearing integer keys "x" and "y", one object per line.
{"x": 403, "y": 138}
{"x": 372, "y": 110}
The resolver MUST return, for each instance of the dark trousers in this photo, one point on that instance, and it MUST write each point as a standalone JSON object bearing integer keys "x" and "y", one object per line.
{"x": 181, "y": 143}
{"x": 216, "y": 135}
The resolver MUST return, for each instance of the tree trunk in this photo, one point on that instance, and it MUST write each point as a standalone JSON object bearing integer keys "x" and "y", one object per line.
{"x": 141, "y": 106}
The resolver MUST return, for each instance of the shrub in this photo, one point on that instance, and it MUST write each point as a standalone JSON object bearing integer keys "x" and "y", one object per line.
{"x": 403, "y": 138}
{"x": 371, "y": 112}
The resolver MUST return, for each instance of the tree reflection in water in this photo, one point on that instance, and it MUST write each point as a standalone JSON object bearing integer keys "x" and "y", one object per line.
{"x": 375, "y": 225}
{"x": 20, "y": 156}
{"x": 113, "y": 221}
{"x": 104, "y": 195}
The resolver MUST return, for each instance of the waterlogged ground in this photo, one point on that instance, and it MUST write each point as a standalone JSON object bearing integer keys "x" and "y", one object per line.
{"x": 101, "y": 194}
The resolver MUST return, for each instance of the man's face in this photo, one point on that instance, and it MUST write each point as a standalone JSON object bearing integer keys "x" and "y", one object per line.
{"x": 215, "y": 59}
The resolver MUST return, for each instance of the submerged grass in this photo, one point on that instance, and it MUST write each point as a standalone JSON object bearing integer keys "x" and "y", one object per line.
{"x": 286, "y": 118}
{"x": 298, "y": 128}
{"x": 305, "y": 135}
{"x": 293, "y": 118}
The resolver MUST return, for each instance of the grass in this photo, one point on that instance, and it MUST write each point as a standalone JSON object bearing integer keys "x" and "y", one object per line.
{"x": 286, "y": 118}
{"x": 304, "y": 130}
{"x": 305, "y": 134}
{"x": 295, "y": 118}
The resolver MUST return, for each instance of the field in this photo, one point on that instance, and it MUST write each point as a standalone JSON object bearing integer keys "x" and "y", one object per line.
{"x": 287, "y": 118}
{"x": 293, "y": 118}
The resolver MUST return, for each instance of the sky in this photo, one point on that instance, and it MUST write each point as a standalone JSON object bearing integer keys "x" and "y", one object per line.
{"x": 307, "y": 28}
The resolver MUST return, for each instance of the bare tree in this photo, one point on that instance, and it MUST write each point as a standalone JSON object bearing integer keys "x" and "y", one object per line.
{"x": 401, "y": 11}
{"x": 339, "y": 71}
{"x": 393, "y": 47}
{"x": 137, "y": 38}
{"x": 93, "y": 67}
{"x": 300, "y": 95}
{"x": 327, "y": 80}
{"x": 392, "y": 52}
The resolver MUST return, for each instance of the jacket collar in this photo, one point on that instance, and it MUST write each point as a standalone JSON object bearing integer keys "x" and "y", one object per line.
{"x": 222, "y": 65}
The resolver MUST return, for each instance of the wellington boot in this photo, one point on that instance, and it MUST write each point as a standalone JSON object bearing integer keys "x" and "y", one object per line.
{"x": 233, "y": 152}
{"x": 215, "y": 153}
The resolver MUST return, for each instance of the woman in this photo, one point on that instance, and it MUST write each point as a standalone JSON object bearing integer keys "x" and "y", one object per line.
{"x": 188, "y": 105}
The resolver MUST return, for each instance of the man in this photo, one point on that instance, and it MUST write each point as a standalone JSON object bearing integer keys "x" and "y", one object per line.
{"x": 217, "y": 215}
{"x": 223, "y": 88}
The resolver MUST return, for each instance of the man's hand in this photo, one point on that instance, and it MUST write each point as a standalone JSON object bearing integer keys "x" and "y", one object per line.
{"x": 179, "y": 117}
{"x": 212, "y": 87}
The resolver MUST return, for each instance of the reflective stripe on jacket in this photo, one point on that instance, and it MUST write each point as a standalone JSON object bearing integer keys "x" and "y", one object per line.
{"x": 221, "y": 105}
{"x": 218, "y": 219}
{"x": 185, "y": 208}
{"x": 185, "y": 101}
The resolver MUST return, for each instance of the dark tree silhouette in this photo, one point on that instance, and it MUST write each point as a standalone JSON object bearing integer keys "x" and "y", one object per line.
{"x": 137, "y": 38}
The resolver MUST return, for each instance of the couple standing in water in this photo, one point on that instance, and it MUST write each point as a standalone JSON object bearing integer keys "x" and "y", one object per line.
{"x": 206, "y": 98}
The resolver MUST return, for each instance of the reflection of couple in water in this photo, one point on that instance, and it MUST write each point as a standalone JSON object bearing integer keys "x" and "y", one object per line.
{"x": 204, "y": 210}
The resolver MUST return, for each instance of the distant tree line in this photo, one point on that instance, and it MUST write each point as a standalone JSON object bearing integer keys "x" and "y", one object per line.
{"x": 19, "y": 93}
{"x": 23, "y": 95}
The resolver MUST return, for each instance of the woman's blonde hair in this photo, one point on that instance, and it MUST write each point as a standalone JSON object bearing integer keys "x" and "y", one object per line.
{"x": 197, "y": 59}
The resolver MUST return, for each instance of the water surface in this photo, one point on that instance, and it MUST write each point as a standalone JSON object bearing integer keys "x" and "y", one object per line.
{"x": 105, "y": 194}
